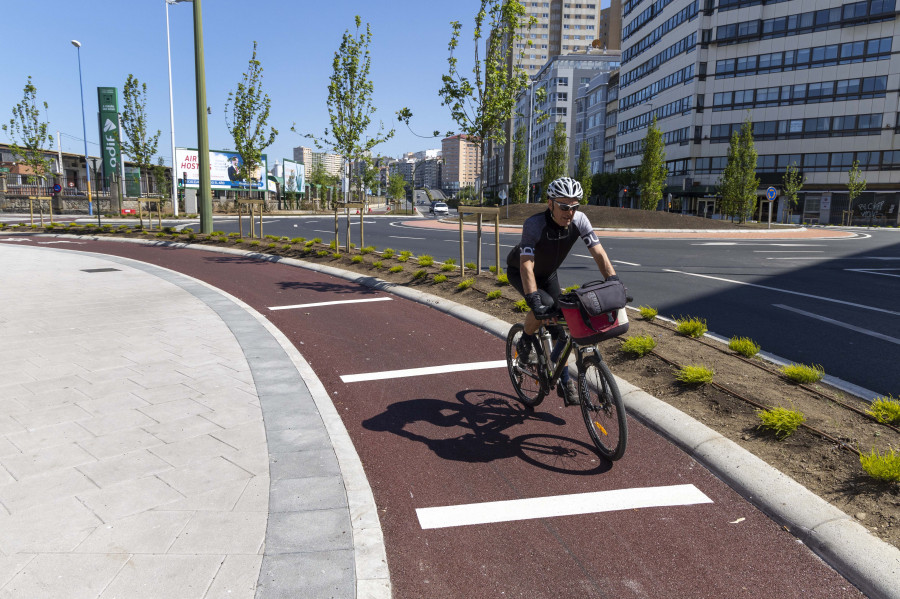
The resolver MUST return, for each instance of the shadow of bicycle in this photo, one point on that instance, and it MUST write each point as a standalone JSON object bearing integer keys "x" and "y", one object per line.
{"x": 475, "y": 429}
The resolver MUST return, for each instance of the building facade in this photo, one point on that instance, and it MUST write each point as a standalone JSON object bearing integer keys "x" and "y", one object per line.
{"x": 462, "y": 163}
{"x": 333, "y": 163}
{"x": 610, "y": 26}
{"x": 819, "y": 81}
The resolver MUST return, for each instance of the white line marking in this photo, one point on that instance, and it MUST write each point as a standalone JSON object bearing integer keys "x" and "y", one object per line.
{"x": 561, "y": 505}
{"x": 818, "y": 297}
{"x": 874, "y": 271}
{"x": 788, "y": 251}
{"x": 396, "y": 374}
{"x": 803, "y": 258}
{"x": 841, "y": 324}
{"x": 787, "y": 245}
{"x": 321, "y": 231}
{"x": 356, "y": 301}
{"x": 625, "y": 263}
{"x": 398, "y": 237}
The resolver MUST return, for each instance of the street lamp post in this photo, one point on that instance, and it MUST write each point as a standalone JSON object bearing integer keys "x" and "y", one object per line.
{"x": 172, "y": 111}
{"x": 204, "y": 195}
{"x": 87, "y": 168}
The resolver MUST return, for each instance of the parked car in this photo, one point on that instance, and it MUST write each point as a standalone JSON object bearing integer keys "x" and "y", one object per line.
{"x": 440, "y": 209}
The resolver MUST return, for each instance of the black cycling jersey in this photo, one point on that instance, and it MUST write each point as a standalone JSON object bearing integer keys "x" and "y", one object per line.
{"x": 548, "y": 243}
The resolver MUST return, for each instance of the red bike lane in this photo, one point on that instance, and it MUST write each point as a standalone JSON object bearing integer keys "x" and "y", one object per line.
{"x": 455, "y": 436}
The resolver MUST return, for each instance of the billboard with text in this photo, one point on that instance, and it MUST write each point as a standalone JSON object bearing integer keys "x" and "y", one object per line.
{"x": 223, "y": 170}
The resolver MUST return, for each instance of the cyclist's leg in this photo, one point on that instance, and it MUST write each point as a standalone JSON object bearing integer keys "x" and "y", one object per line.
{"x": 551, "y": 288}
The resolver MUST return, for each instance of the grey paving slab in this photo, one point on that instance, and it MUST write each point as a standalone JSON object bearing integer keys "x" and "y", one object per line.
{"x": 310, "y": 493}
{"x": 222, "y": 532}
{"x": 128, "y": 466}
{"x": 64, "y": 576}
{"x": 325, "y": 574}
{"x": 155, "y": 576}
{"x": 24, "y": 465}
{"x": 146, "y": 532}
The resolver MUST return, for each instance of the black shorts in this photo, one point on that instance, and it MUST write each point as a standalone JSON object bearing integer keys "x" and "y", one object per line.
{"x": 548, "y": 288}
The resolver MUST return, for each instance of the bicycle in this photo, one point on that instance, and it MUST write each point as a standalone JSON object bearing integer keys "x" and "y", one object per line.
{"x": 601, "y": 402}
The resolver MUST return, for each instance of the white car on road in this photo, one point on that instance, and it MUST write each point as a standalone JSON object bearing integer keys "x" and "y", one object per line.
{"x": 440, "y": 209}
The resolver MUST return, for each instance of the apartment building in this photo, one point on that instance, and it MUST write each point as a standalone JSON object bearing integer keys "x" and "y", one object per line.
{"x": 612, "y": 112}
{"x": 462, "y": 163}
{"x": 609, "y": 26}
{"x": 818, "y": 80}
{"x": 333, "y": 163}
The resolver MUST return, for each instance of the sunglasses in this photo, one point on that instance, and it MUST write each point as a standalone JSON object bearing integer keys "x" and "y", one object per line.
{"x": 566, "y": 207}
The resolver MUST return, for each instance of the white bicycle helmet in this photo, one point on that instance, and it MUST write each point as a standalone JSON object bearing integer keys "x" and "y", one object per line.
{"x": 565, "y": 187}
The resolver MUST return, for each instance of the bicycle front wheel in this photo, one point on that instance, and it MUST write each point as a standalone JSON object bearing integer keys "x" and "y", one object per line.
{"x": 602, "y": 408}
{"x": 525, "y": 374}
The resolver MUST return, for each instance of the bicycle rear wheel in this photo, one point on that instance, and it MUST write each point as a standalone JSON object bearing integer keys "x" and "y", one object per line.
{"x": 525, "y": 377}
{"x": 602, "y": 408}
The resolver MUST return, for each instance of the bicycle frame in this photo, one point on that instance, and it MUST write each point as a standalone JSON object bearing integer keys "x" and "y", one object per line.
{"x": 544, "y": 360}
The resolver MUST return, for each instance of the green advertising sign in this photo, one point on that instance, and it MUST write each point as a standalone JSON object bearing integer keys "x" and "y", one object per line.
{"x": 107, "y": 99}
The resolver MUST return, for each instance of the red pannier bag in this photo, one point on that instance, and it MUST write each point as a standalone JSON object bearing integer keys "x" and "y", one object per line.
{"x": 596, "y": 311}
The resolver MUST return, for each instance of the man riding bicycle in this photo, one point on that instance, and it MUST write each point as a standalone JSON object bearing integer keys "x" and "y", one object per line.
{"x": 547, "y": 238}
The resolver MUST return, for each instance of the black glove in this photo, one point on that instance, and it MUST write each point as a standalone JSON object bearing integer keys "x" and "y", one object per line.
{"x": 612, "y": 278}
{"x": 536, "y": 304}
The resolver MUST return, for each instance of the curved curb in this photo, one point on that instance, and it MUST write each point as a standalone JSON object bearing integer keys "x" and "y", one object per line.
{"x": 865, "y": 560}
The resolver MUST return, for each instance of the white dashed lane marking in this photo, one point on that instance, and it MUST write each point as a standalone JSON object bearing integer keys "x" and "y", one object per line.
{"x": 396, "y": 374}
{"x": 335, "y": 303}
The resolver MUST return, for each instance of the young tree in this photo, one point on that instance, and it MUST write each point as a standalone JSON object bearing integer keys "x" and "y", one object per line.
{"x": 583, "y": 170}
{"x": 396, "y": 186}
{"x": 518, "y": 189}
{"x": 556, "y": 164}
{"x": 137, "y": 142}
{"x": 29, "y": 134}
{"x": 739, "y": 181}
{"x": 482, "y": 107}
{"x": 652, "y": 172}
{"x": 793, "y": 183}
{"x": 856, "y": 184}
{"x": 248, "y": 121}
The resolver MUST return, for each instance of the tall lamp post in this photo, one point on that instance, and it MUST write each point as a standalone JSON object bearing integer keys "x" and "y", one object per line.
{"x": 87, "y": 168}
{"x": 172, "y": 111}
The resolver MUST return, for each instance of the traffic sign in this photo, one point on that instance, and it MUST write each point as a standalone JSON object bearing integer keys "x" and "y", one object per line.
{"x": 771, "y": 193}
{"x": 57, "y": 188}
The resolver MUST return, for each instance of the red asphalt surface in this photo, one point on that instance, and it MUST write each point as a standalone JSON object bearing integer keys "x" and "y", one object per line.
{"x": 461, "y": 438}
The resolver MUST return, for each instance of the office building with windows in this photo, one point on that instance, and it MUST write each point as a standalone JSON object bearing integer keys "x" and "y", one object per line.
{"x": 817, "y": 79}
{"x": 462, "y": 163}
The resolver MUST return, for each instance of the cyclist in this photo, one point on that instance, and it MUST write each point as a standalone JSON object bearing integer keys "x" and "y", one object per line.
{"x": 547, "y": 238}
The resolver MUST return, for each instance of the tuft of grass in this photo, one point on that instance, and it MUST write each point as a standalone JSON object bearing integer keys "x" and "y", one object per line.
{"x": 309, "y": 243}
{"x": 420, "y": 274}
{"x": 440, "y": 278}
{"x": 236, "y": 239}
{"x": 378, "y": 264}
{"x": 272, "y": 245}
{"x": 218, "y": 233}
{"x": 744, "y": 346}
{"x": 465, "y": 284}
{"x": 882, "y": 467}
{"x": 447, "y": 267}
{"x": 495, "y": 294}
{"x": 397, "y": 268}
{"x": 402, "y": 258}
{"x": 317, "y": 240}
{"x": 367, "y": 250}
{"x": 425, "y": 260}
{"x": 270, "y": 237}
{"x": 522, "y": 306}
{"x": 387, "y": 253}
{"x": 254, "y": 243}
{"x": 690, "y": 326}
{"x": 502, "y": 279}
{"x": 336, "y": 255}
{"x": 694, "y": 375}
{"x": 781, "y": 421}
{"x": 648, "y": 313}
{"x": 451, "y": 261}
{"x": 322, "y": 253}
{"x": 801, "y": 373}
{"x": 492, "y": 269}
{"x": 332, "y": 245}
{"x": 286, "y": 246}
{"x": 639, "y": 346}
{"x": 406, "y": 253}
{"x": 280, "y": 238}
{"x": 885, "y": 410}
{"x": 356, "y": 259}
{"x": 298, "y": 240}
{"x": 471, "y": 265}
{"x": 230, "y": 234}
{"x": 161, "y": 235}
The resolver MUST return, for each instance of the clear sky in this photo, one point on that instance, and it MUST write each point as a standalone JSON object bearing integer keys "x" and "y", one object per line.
{"x": 297, "y": 41}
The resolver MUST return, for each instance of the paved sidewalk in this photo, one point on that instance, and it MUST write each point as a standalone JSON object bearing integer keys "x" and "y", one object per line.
{"x": 138, "y": 458}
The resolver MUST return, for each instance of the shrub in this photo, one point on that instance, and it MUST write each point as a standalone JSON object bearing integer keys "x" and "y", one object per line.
{"x": 744, "y": 346}
{"x": 492, "y": 269}
{"x": 272, "y": 245}
{"x": 286, "y": 246}
{"x": 781, "y": 421}
{"x": 450, "y": 261}
{"x": 317, "y": 240}
{"x": 332, "y": 245}
{"x": 801, "y": 373}
{"x": 336, "y": 255}
{"x": 298, "y": 240}
{"x": 648, "y": 313}
{"x": 270, "y": 237}
{"x": 397, "y": 268}
{"x": 502, "y": 279}
{"x": 367, "y": 250}
{"x": 184, "y": 230}
{"x": 495, "y": 294}
{"x": 356, "y": 259}
{"x": 885, "y": 410}
{"x": 234, "y": 234}
{"x": 471, "y": 265}
{"x": 322, "y": 253}
{"x": 402, "y": 258}
{"x": 378, "y": 264}
{"x": 690, "y": 326}
{"x": 639, "y": 346}
{"x": 447, "y": 267}
{"x": 694, "y": 375}
{"x": 522, "y": 306}
{"x": 310, "y": 243}
{"x": 237, "y": 240}
{"x": 387, "y": 253}
{"x": 420, "y": 274}
{"x": 883, "y": 467}
{"x": 254, "y": 242}
{"x": 465, "y": 284}
{"x": 217, "y": 233}
{"x": 161, "y": 235}
{"x": 107, "y": 228}
{"x": 440, "y": 278}
{"x": 425, "y": 260}
{"x": 406, "y": 253}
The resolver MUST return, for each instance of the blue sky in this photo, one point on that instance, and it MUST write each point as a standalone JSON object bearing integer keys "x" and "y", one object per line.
{"x": 296, "y": 41}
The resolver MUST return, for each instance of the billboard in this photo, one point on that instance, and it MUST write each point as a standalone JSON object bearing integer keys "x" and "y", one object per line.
{"x": 108, "y": 117}
{"x": 294, "y": 176}
{"x": 223, "y": 167}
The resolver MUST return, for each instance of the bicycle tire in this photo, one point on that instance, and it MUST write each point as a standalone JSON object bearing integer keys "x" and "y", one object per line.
{"x": 527, "y": 380}
{"x": 602, "y": 408}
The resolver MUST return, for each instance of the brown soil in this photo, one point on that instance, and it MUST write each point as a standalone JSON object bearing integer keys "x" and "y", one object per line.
{"x": 826, "y": 465}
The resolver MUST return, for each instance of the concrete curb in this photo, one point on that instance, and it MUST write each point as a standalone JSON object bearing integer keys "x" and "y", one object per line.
{"x": 866, "y": 561}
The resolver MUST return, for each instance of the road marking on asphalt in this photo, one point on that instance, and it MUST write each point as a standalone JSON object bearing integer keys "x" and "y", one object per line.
{"x": 321, "y": 231}
{"x": 786, "y": 245}
{"x": 317, "y": 304}
{"x": 788, "y": 251}
{"x": 14, "y": 239}
{"x": 803, "y": 258}
{"x": 560, "y": 505}
{"x": 398, "y": 237}
{"x": 396, "y": 374}
{"x": 874, "y": 271}
{"x": 841, "y": 324}
{"x": 818, "y": 297}
{"x": 613, "y": 261}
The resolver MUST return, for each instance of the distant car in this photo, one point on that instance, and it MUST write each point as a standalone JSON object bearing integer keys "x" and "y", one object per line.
{"x": 440, "y": 208}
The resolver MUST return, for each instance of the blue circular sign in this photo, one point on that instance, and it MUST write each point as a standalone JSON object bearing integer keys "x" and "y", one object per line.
{"x": 771, "y": 193}
{"x": 57, "y": 188}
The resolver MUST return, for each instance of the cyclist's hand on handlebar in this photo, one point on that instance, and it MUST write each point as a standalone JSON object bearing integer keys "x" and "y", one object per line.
{"x": 538, "y": 308}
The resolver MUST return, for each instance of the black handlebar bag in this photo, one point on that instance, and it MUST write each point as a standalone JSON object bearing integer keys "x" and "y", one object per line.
{"x": 596, "y": 311}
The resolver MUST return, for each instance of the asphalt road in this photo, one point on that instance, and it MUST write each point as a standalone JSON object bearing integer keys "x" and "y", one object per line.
{"x": 438, "y": 446}
{"x": 831, "y": 302}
